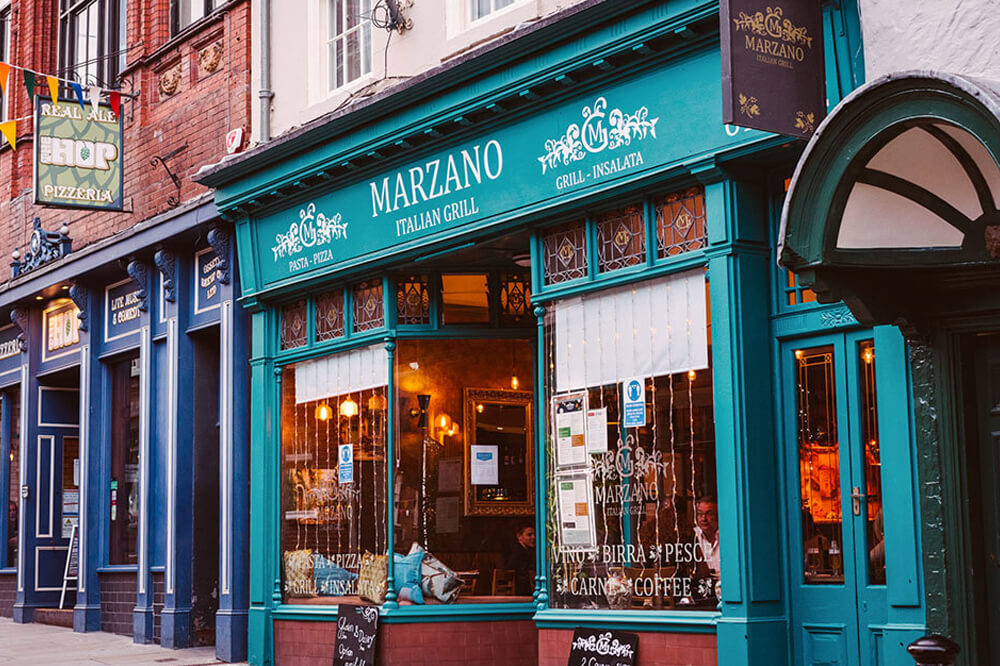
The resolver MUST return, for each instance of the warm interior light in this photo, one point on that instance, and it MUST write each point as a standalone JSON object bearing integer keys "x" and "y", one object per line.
{"x": 39, "y": 298}
{"x": 798, "y": 354}
{"x": 445, "y": 422}
{"x": 869, "y": 356}
{"x": 514, "y": 382}
{"x": 324, "y": 412}
{"x": 691, "y": 375}
{"x": 65, "y": 287}
{"x": 349, "y": 408}
{"x": 480, "y": 407}
{"x": 377, "y": 402}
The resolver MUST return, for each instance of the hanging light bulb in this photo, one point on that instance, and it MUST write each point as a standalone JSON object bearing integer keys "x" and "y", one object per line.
{"x": 349, "y": 408}
{"x": 691, "y": 375}
{"x": 480, "y": 407}
{"x": 514, "y": 382}
{"x": 377, "y": 402}
{"x": 324, "y": 412}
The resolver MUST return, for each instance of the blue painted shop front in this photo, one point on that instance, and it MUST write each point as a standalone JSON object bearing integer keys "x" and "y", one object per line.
{"x": 122, "y": 402}
{"x": 539, "y": 233}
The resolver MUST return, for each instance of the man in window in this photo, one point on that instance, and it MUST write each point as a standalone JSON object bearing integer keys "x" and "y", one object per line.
{"x": 520, "y": 558}
{"x": 707, "y": 533}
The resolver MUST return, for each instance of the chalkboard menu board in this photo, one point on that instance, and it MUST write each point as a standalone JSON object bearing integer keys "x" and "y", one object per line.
{"x": 600, "y": 647}
{"x": 357, "y": 629}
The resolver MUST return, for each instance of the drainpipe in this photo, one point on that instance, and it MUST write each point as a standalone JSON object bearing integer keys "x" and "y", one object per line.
{"x": 265, "y": 94}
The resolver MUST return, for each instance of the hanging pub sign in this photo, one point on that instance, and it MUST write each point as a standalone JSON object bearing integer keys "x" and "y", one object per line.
{"x": 773, "y": 71}
{"x": 602, "y": 647}
{"x": 78, "y": 155}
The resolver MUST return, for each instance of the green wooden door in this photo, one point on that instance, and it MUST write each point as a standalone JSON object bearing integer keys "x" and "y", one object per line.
{"x": 836, "y": 556}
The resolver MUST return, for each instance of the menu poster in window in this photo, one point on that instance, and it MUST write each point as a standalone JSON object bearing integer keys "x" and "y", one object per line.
{"x": 569, "y": 414}
{"x": 577, "y": 531}
{"x": 599, "y": 647}
{"x": 357, "y": 630}
{"x": 484, "y": 470}
{"x": 597, "y": 430}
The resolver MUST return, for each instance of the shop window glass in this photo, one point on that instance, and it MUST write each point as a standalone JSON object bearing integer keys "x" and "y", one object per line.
{"x": 875, "y": 529}
{"x": 349, "y": 40}
{"x": 13, "y": 480}
{"x": 515, "y": 300}
{"x": 333, "y": 473}
{"x": 633, "y": 520}
{"x": 564, "y": 253}
{"x": 123, "y": 493}
{"x": 368, "y": 307}
{"x": 465, "y": 299}
{"x": 330, "y": 316}
{"x": 795, "y": 294}
{"x": 680, "y": 222}
{"x": 819, "y": 466}
{"x": 465, "y": 485}
{"x": 621, "y": 239}
{"x": 90, "y": 40}
{"x": 413, "y": 302}
{"x": 293, "y": 325}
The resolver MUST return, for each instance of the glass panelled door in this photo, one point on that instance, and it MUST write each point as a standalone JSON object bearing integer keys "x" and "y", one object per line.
{"x": 834, "y": 500}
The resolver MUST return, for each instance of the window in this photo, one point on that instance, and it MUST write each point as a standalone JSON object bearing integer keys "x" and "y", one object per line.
{"x": 123, "y": 491}
{"x": 185, "y": 12}
{"x": 634, "y": 520}
{"x": 465, "y": 299}
{"x": 480, "y": 8}
{"x": 349, "y": 38}
{"x": 9, "y": 466}
{"x": 90, "y": 41}
{"x": 4, "y": 51}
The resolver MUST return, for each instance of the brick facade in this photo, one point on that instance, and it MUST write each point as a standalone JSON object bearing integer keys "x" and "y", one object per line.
{"x": 439, "y": 644}
{"x": 8, "y": 594}
{"x": 207, "y": 67}
{"x": 118, "y": 593}
{"x": 157, "y": 604}
{"x": 655, "y": 649}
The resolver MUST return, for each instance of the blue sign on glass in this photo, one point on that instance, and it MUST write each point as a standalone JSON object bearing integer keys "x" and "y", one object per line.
{"x": 345, "y": 458}
{"x": 634, "y": 402}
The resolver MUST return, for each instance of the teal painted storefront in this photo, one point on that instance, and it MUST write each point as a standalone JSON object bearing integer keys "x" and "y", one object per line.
{"x": 603, "y": 106}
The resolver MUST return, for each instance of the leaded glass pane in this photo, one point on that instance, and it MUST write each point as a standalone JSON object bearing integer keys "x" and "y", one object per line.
{"x": 368, "y": 308}
{"x": 515, "y": 299}
{"x": 330, "y": 315}
{"x": 413, "y": 301}
{"x": 680, "y": 222}
{"x": 293, "y": 325}
{"x": 564, "y": 251}
{"x": 621, "y": 239}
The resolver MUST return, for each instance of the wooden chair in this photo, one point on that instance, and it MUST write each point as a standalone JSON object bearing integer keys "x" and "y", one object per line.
{"x": 503, "y": 582}
{"x": 469, "y": 580}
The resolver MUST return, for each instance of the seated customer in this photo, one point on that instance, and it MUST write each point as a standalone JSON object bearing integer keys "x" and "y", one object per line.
{"x": 520, "y": 558}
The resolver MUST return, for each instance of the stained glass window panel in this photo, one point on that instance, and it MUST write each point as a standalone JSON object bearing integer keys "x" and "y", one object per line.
{"x": 621, "y": 239}
{"x": 564, "y": 251}
{"x": 330, "y": 316}
{"x": 293, "y": 325}
{"x": 369, "y": 312}
{"x": 413, "y": 303}
{"x": 680, "y": 222}
{"x": 515, "y": 299}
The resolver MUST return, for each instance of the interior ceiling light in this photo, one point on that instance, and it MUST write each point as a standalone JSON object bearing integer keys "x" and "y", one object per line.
{"x": 522, "y": 259}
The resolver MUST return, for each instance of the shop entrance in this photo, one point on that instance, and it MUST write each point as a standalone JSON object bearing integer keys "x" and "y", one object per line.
{"x": 837, "y": 563}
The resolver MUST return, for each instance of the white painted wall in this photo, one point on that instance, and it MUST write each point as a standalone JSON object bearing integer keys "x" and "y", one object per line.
{"x": 441, "y": 31}
{"x": 960, "y": 36}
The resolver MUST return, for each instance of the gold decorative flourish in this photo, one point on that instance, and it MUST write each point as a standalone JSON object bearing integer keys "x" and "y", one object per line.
{"x": 749, "y": 106}
{"x": 805, "y": 122}
{"x": 773, "y": 24}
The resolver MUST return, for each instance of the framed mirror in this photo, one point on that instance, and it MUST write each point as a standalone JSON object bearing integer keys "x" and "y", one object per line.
{"x": 499, "y": 462}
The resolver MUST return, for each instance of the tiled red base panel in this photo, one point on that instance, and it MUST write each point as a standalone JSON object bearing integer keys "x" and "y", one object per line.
{"x": 117, "y": 601}
{"x": 298, "y": 643}
{"x": 157, "y": 604}
{"x": 655, "y": 649}
{"x": 8, "y": 593}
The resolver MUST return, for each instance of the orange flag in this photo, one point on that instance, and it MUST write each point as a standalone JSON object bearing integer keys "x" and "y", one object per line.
{"x": 4, "y": 74}
{"x": 53, "y": 89}
{"x": 9, "y": 130}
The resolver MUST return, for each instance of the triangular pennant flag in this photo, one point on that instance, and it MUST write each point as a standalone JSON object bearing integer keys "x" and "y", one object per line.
{"x": 95, "y": 96}
{"x": 9, "y": 130}
{"x": 115, "y": 98}
{"x": 78, "y": 89}
{"x": 4, "y": 76}
{"x": 29, "y": 83}
{"x": 53, "y": 89}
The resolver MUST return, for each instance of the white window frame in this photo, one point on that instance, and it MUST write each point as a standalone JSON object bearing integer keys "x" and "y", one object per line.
{"x": 5, "y": 55}
{"x": 463, "y": 31}
{"x": 363, "y": 29}
{"x": 490, "y": 13}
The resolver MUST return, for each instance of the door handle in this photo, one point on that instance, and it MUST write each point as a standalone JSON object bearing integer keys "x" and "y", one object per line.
{"x": 856, "y": 497}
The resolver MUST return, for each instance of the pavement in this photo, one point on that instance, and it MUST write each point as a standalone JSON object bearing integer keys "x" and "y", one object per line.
{"x": 52, "y": 646}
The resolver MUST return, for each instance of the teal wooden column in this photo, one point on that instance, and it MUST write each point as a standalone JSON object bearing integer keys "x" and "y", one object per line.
{"x": 265, "y": 547}
{"x": 541, "y": 594}
{"x": 390, "y": 477}
{"x": 753, "y": 627}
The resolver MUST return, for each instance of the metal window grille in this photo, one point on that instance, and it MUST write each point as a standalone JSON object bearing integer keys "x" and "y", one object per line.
{"x": 515, "y": 299}
{"x": 680, "y": 222}
{"x": 368, "y": 308}
{"x": 621, "y": 239}
{"x": 293, "y": 325}
{"x": 330, "y": 316}
{"x": 413, "y": 301}
{"x": 564, "y": 253}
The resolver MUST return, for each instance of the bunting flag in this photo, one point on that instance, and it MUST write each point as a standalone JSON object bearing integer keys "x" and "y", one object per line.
{"x": 29, "y": 83}
{"x": 115, "y": 98}
{"x": 4, "y": 76}
{"x": 95, "y": 96}
{"x": 53, "y": 89}
{"x": 9, "y": 130}
{"x": 78, "y": 89}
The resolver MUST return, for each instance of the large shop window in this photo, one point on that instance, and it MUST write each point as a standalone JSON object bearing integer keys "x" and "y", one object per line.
{"x": 633, "y": 521}
{"x": 11, "y": 467}
{"x": 123, "y": 491}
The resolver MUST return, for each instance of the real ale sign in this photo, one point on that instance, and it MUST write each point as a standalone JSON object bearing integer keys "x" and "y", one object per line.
{"x": 78, "y": 156}
{"x": 773, "y": 72}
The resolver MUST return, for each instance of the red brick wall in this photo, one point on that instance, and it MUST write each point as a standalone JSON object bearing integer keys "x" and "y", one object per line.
{"x": 8, "y": 594}
{"x": 427, "y": 644}
{"x": 203, "y": 108}
{"x": 655, "y": 649}
{"x": 118, "y": 593}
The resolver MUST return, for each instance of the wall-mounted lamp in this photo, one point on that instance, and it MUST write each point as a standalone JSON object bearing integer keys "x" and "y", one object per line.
{"x": 349, "y": 408}
{"x": 423, "y": 400}
{"x": 324, "y": 412}
{"x": 514, "y": 382}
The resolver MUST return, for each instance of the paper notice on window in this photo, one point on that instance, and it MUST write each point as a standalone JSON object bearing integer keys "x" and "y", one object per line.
{"x": 447, "y": 511}
{"x": 450, "y": 475}
{"x": 569, "y": 414}
{"x": 483, "y": 470}
{"x": 576, "y": 512}
{"x": 597, "y": 430}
